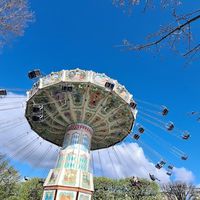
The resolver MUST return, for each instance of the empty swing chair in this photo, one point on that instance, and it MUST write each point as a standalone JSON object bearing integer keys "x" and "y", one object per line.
{"x": 185, "y": 135}
{"x": 67, "y": 88}
{"x": 38, "y": 118}
{"x": 158, "y": 166}
{"x": 141, "y": 129}
{"x": 109, "y": 85}
{"x": 34, "y": 74}
{"x": 169, "y": 173}
{"x": 164, "y": 111}
{"x": 3, "y": 92}
{"x": 162, "y": 162}
{"x": 133, "y": 104}
{"x": 170, "y": 126}
{"x": 170, "y": 167}
{"x": 184, "y": 157}
{"x": 136, "y": 136}
{"x": 37, "y": 108}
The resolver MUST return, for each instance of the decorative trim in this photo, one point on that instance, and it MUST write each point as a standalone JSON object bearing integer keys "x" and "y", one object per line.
{"x": 80, "y": 126}
{"x": 74, "y": 189}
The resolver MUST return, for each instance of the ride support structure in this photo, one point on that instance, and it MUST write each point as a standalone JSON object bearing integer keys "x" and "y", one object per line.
{"x": 72, "y": 177}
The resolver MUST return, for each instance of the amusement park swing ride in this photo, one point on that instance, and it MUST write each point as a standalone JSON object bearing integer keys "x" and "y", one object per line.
{"x": 80, "y": 112}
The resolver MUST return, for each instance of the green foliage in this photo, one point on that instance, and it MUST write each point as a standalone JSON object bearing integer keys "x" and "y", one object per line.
{"x": 13, "y": 198}
{"x": 12, "y": 189}
{"x": 106, "y": 188}
{"x": 9, "y": 179}
{"x": 31, "y": 190}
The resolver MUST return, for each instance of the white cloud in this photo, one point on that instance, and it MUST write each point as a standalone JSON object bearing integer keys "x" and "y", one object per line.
{"x": 128, "y": 160}
{"x": 183, "y": 175}
{"x": 198, "y": 186}
{"x": 19, "y": 141}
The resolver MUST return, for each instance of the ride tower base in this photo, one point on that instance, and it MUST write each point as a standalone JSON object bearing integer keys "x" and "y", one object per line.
{"x": 72, "y": 178}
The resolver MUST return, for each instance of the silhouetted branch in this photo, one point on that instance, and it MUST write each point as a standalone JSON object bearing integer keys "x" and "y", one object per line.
{"x": 194, "y": 49}
{"x": 176, "y": 36}
{"x": 171, "y": 36}
{"x": 156, "y": 42}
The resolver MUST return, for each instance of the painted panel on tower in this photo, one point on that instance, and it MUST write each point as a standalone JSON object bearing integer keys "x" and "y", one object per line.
{"x": 83, "y": 196}
{"x": 60, "y": 161}
{"x": 49, "y": 195}
{"x": 69, "y": 177}
{"x": 86, "y": 180}
{"x": 75, "y": 139}
{"x": 86, "y": 143}
{"x": 71, "y": 160}
{"x": 66, "y": 195}
{"x": 54, "y": 176}
{"x": 83, "y": 162}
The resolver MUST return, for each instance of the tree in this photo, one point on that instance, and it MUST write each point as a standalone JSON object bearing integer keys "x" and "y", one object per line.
{"x": 14, "y": 18}
{"x": 179, "y": 191}
{"x": 9, "y": 178}
{"x": 31, "y": 190}
{"x": 123, "y": 189}
{"x": 172, "y": 35}
{"x": 146, "y": 4}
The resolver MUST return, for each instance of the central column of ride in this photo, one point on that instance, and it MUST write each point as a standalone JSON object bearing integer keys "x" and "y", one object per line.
{"x": 72, "y": 178}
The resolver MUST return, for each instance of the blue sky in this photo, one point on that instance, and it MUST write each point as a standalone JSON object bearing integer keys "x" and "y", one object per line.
{"x": 70, "y": 34}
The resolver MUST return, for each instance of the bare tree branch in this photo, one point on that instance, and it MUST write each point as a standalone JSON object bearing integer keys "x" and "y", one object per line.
{"x": 14, "y": 18}
{"x": 130, "y": 4}
{"x": 177, "y": 35}
{"x": 178, "y": 28}
{"x": 179, "y": 191}
{"x": 194, "y": 49}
